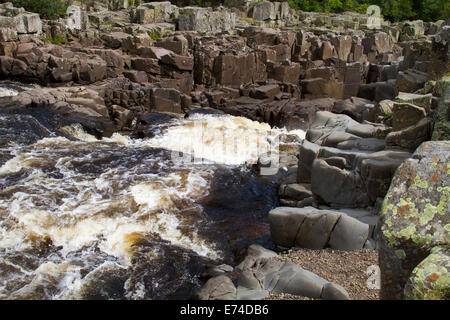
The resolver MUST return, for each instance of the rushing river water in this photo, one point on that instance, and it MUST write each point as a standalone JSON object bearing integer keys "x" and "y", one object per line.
{"x": 123, "y": 218}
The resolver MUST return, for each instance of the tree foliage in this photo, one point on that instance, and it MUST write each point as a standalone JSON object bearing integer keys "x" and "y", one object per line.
{"x": 394, "y": 10}
{"x": 47, "y": 9}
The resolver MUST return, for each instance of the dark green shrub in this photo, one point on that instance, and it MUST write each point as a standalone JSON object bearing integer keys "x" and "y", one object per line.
{"x": 47, "y": 9}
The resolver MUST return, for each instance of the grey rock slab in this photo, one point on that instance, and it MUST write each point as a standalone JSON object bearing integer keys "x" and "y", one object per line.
{"x": 247, "y": 294}
{"x": 316, "y": 228}
{"x": 367, "y": 144}
{"x": 298, "y": 281}
{"x": 217, "y": 288}
{"x": 284, "y": 225}
{"x": 332, "y": 291}
{"x": 349, "y": 234}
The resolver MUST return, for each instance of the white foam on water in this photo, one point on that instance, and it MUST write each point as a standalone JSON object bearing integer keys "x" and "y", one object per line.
{"x": 8, "y": 92}
{"x": 113, "y": 209}
{"x": 223, "y": 139}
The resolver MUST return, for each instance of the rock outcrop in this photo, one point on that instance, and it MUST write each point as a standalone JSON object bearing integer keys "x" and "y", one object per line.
{"x": 414, "y": 224}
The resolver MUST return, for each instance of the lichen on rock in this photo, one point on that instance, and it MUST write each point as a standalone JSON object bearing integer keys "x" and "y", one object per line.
{"x": 415, "y": 214}
{"x": 430, "y": 280}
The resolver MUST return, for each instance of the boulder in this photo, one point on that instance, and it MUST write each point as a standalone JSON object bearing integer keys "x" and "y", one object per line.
{"x": 430, "y": 280}
{"x": 263, "y": 11}
{"x": 205, "y": 20}
{"x": 414, "y": 216}
{"x": 165, "y": 100}
{"x": 377, "y": 169}
{"x": 295, "y": 191}
{"x": 136, "y": 76}
{"x": 405, "y": 115}
{"x": 382, "y": 111}
{"x": 332, "y": 291}
{"x": 411, "y": 137}
{"x": 265, "y": 92}
{"x": 67, "y": 105}
{"x": 313, "y": 228}
{"x": 308, "y": 153}
{"x": 338, "y": 187}
{"x": 410, "y": 80}
{"x": 182, "y": 63}
{"x": 420, "y": 100}
{"x": 378, "y": 91}
{"x": 349, "y": 234}
{"x": 177, "y": 44}
{"x": 265, "y": 275}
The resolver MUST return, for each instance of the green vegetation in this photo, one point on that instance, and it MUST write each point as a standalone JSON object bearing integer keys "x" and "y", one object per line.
{"x": 394, "y": 10}
{"x": 59, "y": 39}
{"x": 47, "y": 9}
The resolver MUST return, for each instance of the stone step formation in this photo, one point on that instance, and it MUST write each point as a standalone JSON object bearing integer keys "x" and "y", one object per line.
{"x": 368, "y": 98}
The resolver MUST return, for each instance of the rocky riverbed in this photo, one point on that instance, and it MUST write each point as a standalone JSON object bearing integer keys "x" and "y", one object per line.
{"x": 248, "y": 151}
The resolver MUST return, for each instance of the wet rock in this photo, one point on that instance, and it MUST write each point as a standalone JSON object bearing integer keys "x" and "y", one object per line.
{"x": 122, "y": 117}
{"x": 414, "y": 215}
{"x": 217, "y": 288}
{"x": 295, "y": 191}
{"x": 211, "y": 271}
{"x": 74, "y": 104}
{"x": 330, "y": 129}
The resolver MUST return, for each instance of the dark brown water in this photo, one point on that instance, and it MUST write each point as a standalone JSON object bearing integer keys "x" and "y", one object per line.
{"x": 118, "y": 218}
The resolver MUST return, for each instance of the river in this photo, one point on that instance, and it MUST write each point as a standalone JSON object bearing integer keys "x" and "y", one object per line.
{"x": 124, "y": 218}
